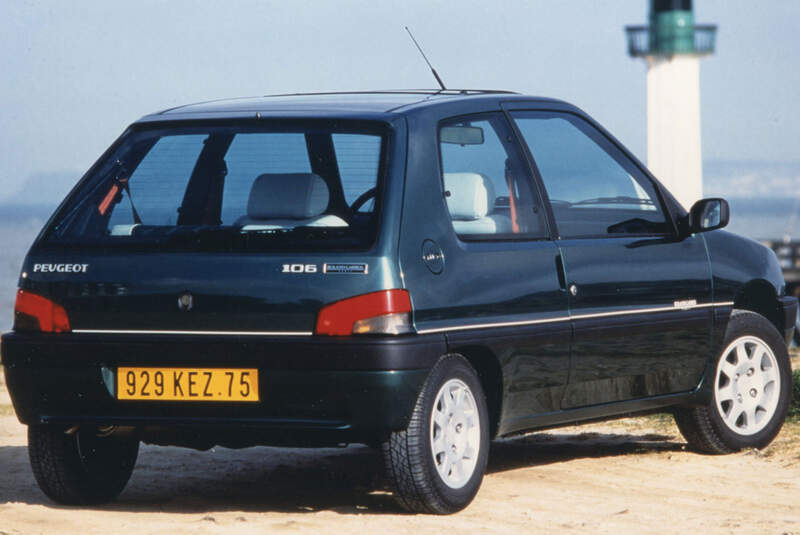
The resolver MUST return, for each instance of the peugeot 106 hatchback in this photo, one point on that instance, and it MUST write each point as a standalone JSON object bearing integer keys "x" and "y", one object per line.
{"x": 419, "y": 271}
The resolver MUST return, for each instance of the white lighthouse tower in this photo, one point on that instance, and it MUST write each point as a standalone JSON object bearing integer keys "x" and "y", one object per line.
{"x": 672, "y": 45}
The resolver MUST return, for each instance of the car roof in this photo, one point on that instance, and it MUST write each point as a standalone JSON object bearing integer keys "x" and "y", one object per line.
{"x": 357, "y": 103}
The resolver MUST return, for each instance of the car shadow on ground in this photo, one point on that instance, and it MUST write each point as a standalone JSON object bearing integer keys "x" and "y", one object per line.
{"x": 347, "y": 480}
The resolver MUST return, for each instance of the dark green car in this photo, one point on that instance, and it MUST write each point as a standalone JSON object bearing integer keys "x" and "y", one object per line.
{"x": 420, "y": 271}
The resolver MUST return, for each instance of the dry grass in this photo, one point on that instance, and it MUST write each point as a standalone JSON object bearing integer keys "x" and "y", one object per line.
{"x": 786, "y": 446}
{"x": 5, "y": 407}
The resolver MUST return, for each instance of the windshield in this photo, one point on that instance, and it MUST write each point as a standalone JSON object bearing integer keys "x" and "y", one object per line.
{"x": 287, "y": 185}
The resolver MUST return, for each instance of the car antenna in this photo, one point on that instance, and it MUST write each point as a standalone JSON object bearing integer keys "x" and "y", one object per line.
{"x": 435, "y": 74}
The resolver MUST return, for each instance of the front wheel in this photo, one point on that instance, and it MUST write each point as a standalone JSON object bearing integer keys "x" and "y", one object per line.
{"x": 751, "y": 390}
{"x": 86, "y": 467}
{"x": 437, "y": 463}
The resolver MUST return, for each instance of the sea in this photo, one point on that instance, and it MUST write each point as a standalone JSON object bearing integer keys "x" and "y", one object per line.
{"x": 762, "y": 218}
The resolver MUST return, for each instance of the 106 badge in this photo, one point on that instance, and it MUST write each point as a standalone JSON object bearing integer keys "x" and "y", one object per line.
{"x": 299, "y": 268}
{"x": 344, "y": 268}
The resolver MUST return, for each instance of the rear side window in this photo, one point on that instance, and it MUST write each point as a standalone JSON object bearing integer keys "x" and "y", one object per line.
{"x": 594, "y": 188}
{"x": 488, "y": 188}
{"x": 234, "y": 188}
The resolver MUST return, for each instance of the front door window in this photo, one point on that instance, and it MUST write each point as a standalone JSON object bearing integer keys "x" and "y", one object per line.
{"x": 594, "y": 189}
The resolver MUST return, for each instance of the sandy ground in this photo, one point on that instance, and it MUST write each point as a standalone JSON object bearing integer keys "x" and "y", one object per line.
{"x": 631, "y": 476}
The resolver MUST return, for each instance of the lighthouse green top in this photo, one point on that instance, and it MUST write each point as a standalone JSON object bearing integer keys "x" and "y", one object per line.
{"x": 671, "y": 26}
{"x": 672, "y": 31}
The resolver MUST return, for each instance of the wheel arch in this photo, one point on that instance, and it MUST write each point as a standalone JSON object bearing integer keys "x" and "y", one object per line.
{"x": 760, "y": 296}
{"x": 490, "y": 374}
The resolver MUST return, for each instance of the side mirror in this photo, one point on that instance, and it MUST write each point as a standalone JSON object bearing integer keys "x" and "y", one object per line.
{"x": 707, "y": 214}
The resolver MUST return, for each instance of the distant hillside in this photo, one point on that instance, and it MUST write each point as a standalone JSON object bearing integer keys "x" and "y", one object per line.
{"x": 44, "y": 188}
{"x": 727, "y": 178}
{"x": 26, "y": 214}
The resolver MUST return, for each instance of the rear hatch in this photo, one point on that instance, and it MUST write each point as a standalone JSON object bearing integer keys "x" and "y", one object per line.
{"x": 233, "y": 227}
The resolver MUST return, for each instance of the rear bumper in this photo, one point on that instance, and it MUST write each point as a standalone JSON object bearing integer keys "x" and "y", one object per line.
{"x": 323, "y": 389}
{"x": 788, "y": 307}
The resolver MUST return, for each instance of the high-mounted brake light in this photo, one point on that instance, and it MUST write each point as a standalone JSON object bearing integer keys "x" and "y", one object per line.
{"x": 52, "y": 318}
{"x": 384, "y": 312}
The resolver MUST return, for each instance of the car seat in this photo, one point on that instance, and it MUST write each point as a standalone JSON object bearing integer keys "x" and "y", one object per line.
{"x": 288, "y": 200}
{"x": 471, "y": 202}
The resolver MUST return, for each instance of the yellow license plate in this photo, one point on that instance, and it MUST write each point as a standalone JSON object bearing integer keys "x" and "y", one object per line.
{"x": 187, "y": 384}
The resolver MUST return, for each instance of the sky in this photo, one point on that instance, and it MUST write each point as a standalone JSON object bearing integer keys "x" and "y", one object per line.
{"x": 75, "y": 74}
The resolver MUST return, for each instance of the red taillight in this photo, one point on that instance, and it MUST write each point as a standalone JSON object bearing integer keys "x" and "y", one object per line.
{"x": 340, "y": 318}
{"x": 52, "y": 318}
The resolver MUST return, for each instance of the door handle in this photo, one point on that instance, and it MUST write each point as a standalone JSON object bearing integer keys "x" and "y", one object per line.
{"x": 562, "y": 277}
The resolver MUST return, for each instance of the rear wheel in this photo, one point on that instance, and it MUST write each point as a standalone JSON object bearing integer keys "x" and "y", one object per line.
{"x": 751, "y": 391}
{"x": 437, "y": 463}
{"x": 82, "y": 468}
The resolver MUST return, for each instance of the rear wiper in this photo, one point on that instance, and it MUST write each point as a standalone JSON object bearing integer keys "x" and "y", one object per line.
{"x": 268, "y": 226}
{"x": 303, "y": 231}
{"x": 190, "y": 234}
{"x": 621, "y": 199}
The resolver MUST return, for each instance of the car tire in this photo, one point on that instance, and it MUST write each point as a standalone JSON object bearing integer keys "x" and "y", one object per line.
{"x": 81, "y": 468}
{"x": 751, "y": 391}
{"x": 796, "y": 334}
{"x": 436, "y": 464}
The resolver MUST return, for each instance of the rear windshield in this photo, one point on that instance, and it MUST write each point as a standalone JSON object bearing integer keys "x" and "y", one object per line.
{"x": 278, "y": 186}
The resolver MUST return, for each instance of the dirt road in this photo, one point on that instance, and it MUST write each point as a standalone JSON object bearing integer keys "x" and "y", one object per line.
{"x": 631, "y": 476}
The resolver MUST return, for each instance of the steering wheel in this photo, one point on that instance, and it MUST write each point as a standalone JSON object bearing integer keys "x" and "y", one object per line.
{"x": 362, "y": 199}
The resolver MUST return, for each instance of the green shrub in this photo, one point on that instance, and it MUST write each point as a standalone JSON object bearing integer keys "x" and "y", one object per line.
{"x": 794, "y": 409}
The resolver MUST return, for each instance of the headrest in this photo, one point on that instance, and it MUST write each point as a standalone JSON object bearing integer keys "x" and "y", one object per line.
{"x": 471, "y": 195}
{"x": 287, "y": 196}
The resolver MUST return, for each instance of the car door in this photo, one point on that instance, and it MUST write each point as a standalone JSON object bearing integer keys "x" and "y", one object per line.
{"x": 481, "y": 265}
{"x": 640, "y": 298}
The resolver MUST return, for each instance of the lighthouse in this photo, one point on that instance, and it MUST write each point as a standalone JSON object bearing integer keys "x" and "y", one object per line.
{"x": 672, "y": 46}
